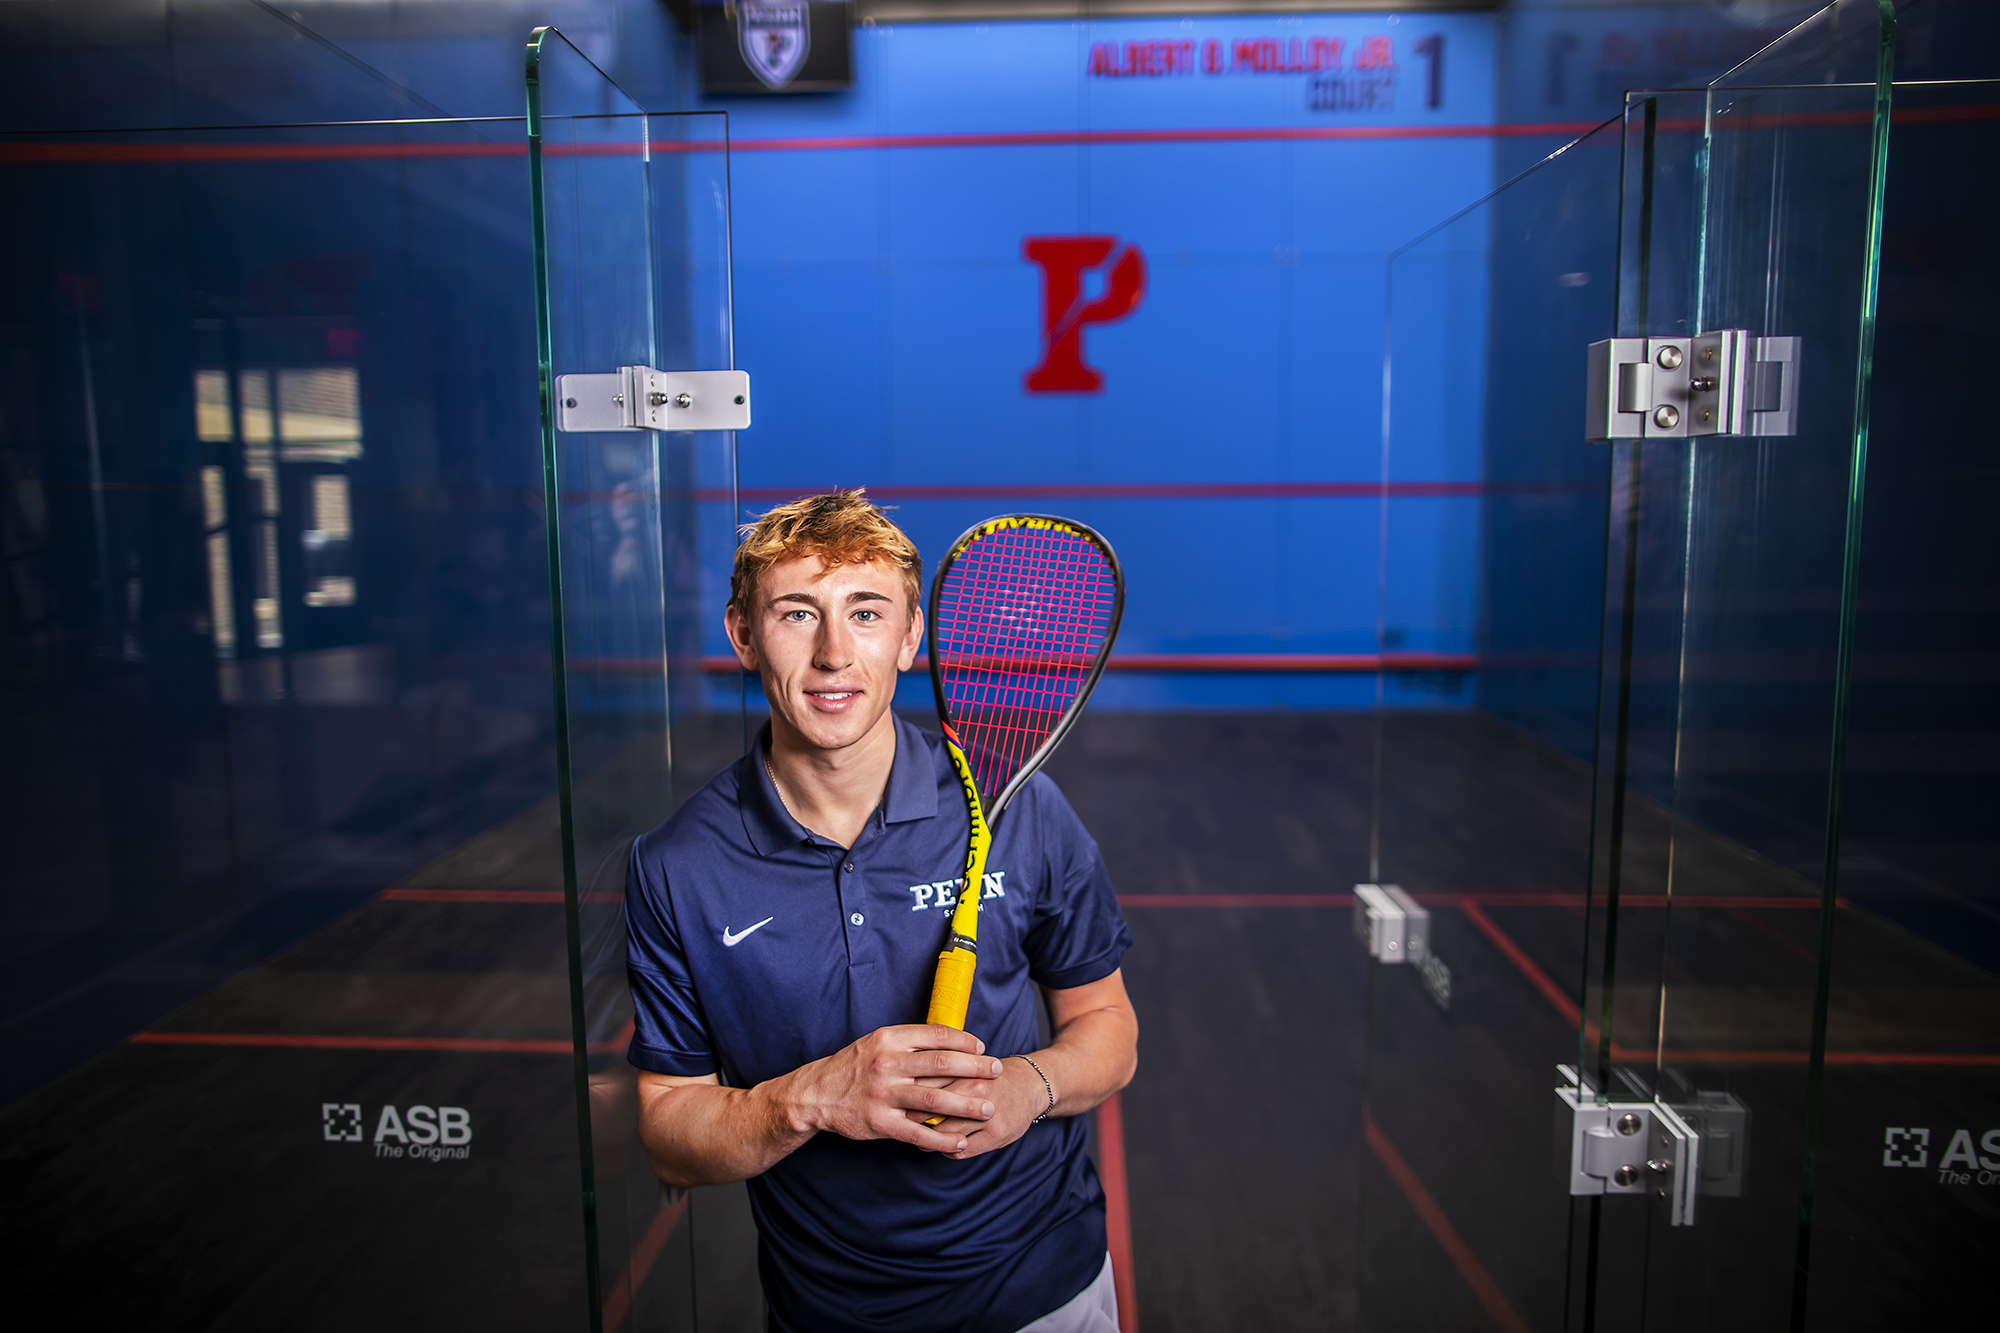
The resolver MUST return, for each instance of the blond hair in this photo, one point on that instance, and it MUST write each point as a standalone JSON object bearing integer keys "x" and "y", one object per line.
{"x": 841, "y": 528}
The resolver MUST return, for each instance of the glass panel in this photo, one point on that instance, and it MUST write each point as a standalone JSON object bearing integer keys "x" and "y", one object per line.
{"x": 287, "y": 1023}
{"x": 1907, "y": 1160}
{"x": 1762, "y": 218}
{"x": 1483, "y": 812}
{"x": 631, "y": 269}
{"x": 1817, "y": 1034}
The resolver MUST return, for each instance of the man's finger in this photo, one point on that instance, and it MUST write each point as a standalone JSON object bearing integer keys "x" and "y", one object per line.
{"x": 938, "y": 1037}
{"x": 923, "y": 1136}
{"x": 948, "y": 1065}
{"x": 937, "y": 1101}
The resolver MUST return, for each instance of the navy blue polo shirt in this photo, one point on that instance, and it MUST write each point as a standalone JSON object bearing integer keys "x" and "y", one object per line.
{"x": 757, "y": 947}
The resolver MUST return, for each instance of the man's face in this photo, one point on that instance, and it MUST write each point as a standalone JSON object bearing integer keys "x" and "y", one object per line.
{"x": 828, "y": 643}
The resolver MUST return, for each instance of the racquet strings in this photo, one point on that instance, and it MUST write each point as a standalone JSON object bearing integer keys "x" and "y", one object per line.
{"x": 1022, "y": 615}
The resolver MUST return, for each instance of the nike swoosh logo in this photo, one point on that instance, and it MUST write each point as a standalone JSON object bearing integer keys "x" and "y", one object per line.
{"x": 731, "y": 941}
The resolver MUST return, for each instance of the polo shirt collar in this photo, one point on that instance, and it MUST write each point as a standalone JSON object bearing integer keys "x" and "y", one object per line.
{"x": 912, "y": 794}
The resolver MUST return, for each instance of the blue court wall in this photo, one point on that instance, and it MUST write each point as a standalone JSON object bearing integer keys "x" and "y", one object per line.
{"x": 887, "y": 315}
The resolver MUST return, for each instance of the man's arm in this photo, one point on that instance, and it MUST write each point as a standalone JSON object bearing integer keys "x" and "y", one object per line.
{"x": 1093, "y": 1052}
{"x": 697, "y": 1132}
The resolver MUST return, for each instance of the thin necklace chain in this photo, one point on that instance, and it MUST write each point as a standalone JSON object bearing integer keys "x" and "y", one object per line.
{"x": 788, "y": 805}
{"x": 781, "y": 791}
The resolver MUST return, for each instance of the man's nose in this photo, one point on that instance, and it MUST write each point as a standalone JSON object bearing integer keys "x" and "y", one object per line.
{"x": 835, "y": 648}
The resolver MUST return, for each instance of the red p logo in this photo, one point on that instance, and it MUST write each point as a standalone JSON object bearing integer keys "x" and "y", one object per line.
{"x": 1063, "y": 260}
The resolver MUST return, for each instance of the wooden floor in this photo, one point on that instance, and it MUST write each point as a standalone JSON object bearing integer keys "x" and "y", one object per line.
{"x": 1312, "y": 1141}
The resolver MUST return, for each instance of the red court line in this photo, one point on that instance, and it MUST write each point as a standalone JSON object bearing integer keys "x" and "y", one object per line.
{"x": 1522, "y": 963}
{"x": 1503, "y": 898}
{"x": 344, "y": 1043}
{"x": 1236, "y": 900}
{"x": 1091, "y": 138}
{"x": 1146, "y": 490}
{"x": 1921, "y": 1059}
{"x": 70, "y": 152}
{"x": 493, "y": 896}
{"x": 1451, "y": 898}
{"x": 618, "y": 1303}
{"x": 1202, "y": 662}
{"x": 1567, "y": 1007}
{"x": 1117, "y": 1209}
{"x": 1476, "y": 1277}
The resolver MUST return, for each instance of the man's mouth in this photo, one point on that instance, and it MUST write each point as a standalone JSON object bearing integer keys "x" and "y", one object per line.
{"x": 832, "y": 698}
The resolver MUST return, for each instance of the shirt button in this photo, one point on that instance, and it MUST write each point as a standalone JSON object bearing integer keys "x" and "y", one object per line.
{"x": 857, "y": 918}
{"x": 849, "y": 867}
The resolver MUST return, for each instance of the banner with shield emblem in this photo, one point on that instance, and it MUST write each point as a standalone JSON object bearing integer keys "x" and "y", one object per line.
{"x": 773, "y": 46}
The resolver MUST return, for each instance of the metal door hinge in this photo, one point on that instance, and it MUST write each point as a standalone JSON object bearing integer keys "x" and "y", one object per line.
{"x": 641, "y": 398}
{"x": 1722, "y": 1122}
{"x": 1729, "y": 382}
{"x": 1627, "y": 1147}
{"x": 1391, "y": 924}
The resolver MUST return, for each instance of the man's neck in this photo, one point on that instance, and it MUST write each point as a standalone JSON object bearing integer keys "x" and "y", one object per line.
{"x": 833, "y": 792}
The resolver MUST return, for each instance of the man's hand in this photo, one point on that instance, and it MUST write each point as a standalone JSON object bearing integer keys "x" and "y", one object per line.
{"x": 887, "y": 1084}
{"x": 1017, "y": 1097}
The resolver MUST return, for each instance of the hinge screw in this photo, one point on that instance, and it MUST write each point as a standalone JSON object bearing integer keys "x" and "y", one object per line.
{"x": 683, "y": 400}
{"x": 1628, "y": 1124}
{"x": 1702, "y": 383}
{"x": 656, "y": 398}
{"x": 1626, "y": 1174}
{"x": 1670, "y": 357}
{"x": 1666, "y": 416}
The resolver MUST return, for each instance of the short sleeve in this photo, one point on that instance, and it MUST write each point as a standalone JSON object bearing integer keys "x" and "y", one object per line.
{"x": 669, "y": 1032}
{"x": 1078, "y": 935}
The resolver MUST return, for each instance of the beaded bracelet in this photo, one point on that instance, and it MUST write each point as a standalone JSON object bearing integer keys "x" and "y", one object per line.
{"x": 1046, "y": 1087}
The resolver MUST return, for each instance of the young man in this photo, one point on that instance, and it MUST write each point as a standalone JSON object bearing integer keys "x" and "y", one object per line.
{"x": 785, "y": 926}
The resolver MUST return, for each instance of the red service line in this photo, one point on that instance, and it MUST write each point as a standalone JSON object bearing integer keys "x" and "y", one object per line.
{"x": 1484, "y": 1288}
{"x": 1566, "y": 1006}
{"x": 76, "y": 150}
{"x": 478, "y": 1045}
{"x": 1134, "y": 490}
{"x": 1110, "y": 138}
{"x": 1236, "y": 900}
{"x": 1456, "y": 898}
{"x": 494, "y": 896}
{"x": 1248, "y": 663}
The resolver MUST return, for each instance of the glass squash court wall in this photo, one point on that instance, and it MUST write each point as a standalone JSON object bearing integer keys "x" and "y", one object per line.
{"x": 290, "y": 1034}
{"x": 610, "y": 185}
{"x": 1692, "y": 858}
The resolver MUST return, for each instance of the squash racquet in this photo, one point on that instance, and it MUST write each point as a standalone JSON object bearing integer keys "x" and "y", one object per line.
{"x": 1023, "y": 610}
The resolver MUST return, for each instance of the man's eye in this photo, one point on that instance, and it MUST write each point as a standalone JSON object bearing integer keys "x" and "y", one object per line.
{"x": 867, "y": 615}
{"x": 796, "y": 616}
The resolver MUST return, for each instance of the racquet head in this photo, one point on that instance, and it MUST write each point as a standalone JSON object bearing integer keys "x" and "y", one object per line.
{"x": 1023, "y": 610}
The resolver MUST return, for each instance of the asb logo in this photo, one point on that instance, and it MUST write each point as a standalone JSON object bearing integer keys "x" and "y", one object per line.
{"x": 1909, "y": 1147}
{"x": 1064, "y": 261}
{"x": 774, "y": 38}
{"x": 424, "y": 1133}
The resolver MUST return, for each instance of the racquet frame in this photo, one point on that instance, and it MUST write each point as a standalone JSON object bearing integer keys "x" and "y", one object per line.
{"x": 951, "y": 990}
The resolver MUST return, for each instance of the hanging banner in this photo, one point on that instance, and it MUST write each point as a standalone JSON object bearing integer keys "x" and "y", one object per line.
{"x": 773, "y": 46}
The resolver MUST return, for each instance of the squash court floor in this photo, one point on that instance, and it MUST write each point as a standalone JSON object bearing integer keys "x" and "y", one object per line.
{"x": 198, "y": 1176}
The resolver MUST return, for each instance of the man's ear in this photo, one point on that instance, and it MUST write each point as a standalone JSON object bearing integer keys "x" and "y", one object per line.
{"x": 911, "y": 640}
{"x": 738, "y": 629}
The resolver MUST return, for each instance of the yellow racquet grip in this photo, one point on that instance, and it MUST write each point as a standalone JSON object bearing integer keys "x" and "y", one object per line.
{"x": 951, "y": 989}
{"x": 951, "y": 992}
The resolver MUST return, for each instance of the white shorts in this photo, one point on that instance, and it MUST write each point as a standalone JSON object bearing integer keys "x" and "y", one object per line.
{"x": 1093, "y": 1310}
